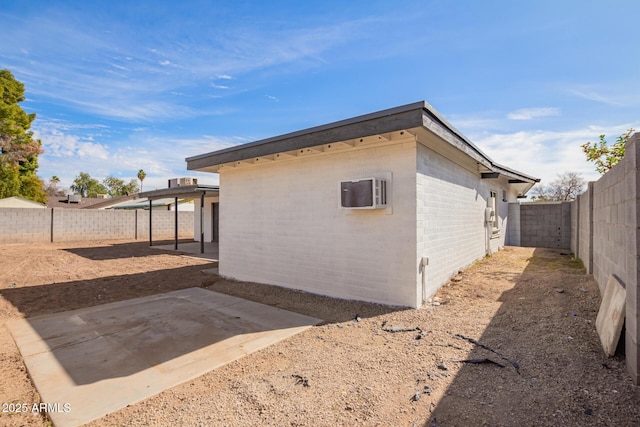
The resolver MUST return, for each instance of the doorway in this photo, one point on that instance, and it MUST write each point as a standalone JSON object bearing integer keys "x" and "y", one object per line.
{"x": 215, "y": 216}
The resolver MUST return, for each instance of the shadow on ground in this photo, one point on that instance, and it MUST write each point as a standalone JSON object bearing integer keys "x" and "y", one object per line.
{"x": 123, "y": 250}
{"x": 56, "y": 297}
{"x": 331, "y": 310}
{"x": 544, "y": 336}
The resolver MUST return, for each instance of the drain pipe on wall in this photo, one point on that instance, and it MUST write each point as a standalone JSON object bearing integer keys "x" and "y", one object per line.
{"x": 424, "y": 262}
{"x": 488, "y": 239}
{"x": 488, "y": 220}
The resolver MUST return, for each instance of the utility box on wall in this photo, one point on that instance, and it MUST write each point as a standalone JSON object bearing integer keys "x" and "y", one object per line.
{"x": 366, "y": 193}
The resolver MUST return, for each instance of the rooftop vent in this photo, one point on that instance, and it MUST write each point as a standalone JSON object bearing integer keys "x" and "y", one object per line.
{"x": 181, "y": 182}
{"x": 74, "y": 198}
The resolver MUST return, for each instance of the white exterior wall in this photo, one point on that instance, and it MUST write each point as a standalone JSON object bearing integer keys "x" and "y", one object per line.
{"x": 451, "y": 231}
{"x": 281, "y": 224}
{"x": 208, "y": 223}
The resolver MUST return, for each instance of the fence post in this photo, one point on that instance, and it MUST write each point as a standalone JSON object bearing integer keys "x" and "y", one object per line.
{"x": 591, "y": 195}
{"x": 52, "y": 209}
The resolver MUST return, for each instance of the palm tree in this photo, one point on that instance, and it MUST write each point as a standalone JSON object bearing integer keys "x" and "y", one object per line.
{"x": 141, "y": 176}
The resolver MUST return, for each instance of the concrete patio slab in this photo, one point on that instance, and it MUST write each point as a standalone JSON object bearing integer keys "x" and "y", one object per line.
{"x": 96, "y": 360}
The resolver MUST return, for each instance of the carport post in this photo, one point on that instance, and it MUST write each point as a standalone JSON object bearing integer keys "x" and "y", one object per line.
{"x": 150, "y": 223}
{"x": 176, "y": 226}
{"x": 202, "y": 223}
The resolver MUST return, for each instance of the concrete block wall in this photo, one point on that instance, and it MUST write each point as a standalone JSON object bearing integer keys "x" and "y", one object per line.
{"x": 71, "y": 225}
{"x": 545, "y": 225}
{"x": 582, "y": 228}
{"x": 25, "y": 225}
{"x": 451, "y": 228}
{"x": 513, "y": 228}
{"x": 608, "y": 233}
{"x": 283, "y": 225}
{"x": 611, "y": 246}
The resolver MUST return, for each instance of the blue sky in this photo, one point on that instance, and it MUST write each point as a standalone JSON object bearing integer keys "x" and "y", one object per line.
{"x": 121, "y": 85}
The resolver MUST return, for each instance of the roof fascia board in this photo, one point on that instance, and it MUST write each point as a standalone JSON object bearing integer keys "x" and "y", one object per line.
{"x": 185, "y": 192}
{"x": 410, "y": 116}
{"x": 437, "y": 124}
{"x": 394, "y": 119}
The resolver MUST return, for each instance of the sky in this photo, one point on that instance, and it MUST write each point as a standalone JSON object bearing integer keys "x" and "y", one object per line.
{"x": 119, "y": 86}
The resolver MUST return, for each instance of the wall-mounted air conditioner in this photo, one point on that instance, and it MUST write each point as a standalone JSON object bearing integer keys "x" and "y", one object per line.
{"x": 366, "y": 193}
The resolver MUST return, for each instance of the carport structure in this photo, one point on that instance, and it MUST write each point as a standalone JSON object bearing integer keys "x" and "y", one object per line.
{"x": 188, "y": 192}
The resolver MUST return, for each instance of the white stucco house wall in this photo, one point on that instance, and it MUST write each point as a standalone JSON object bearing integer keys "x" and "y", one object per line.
{"x": 283, "y": 219}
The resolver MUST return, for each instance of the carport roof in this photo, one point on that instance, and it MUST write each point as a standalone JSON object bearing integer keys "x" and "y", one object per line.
{"x": 415, "y": 117}
{"x": 183, "y": 192}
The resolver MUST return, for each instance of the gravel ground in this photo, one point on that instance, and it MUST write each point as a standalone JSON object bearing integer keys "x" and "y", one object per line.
{"x": 509, "y": 341}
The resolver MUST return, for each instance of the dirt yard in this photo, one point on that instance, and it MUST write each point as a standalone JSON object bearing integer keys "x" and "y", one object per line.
{"x": 528, "y": 314}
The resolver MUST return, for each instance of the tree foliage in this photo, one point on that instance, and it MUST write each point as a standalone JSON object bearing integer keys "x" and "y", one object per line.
{"x": 566, "y": 187}
{"x": 86, "y": 186}
{"x": 604, "y": 156}
{"x": 141, "y": 176}
{"x": 18, "y": 150}
{"x": 117, "y": 187}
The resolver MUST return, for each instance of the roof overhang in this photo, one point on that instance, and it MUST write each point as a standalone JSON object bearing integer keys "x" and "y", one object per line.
{"x": 419, "y": 121}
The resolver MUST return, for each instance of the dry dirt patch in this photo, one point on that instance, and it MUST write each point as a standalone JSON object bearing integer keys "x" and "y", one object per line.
{"x": 352, "y": 370}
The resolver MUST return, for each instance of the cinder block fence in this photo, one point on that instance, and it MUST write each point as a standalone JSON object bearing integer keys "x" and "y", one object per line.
{"x": 606, "y": 236}
{"x": 602, "y": 228}
{"x": 29, "y": 225}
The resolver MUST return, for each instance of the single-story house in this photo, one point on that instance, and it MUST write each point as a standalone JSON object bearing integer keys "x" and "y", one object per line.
{"x": 384, "y": 207}
{"x": 74, "y": 201}
{"x": 19, "y": 202}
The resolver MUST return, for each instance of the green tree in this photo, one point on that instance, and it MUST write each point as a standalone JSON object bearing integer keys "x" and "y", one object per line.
{"x": 86, "y": 186}
{"x": 117, "y": 187}
{"x": 18, "y": 149}
{"x": 604, "y": 156}
{"x": 141, "y": 176}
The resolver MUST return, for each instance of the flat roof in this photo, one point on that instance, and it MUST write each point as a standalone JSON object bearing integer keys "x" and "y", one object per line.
{"x": 182, "y": 192}
{"x": 417, "y": 115}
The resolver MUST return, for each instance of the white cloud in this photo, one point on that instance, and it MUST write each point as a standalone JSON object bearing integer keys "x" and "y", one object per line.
{"x": 119, "y": 67}
{"x": 533, "y": 113}
{"x": 93, "y": 151}
{"x": 591, "y": 94}
{"x": 545, "y": 154}
{"x": 215, "y": 86}
{"x": 273, "y": 98}
{"x": 71, "y": 149}
{"x": 224, "y": 77}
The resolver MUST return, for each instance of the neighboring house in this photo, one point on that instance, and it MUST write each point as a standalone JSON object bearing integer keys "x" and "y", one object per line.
{"x": 299, "y": 210}
{"x": 19, "y": 202}
{"x": 75, "y": 202}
